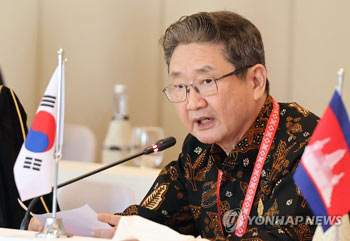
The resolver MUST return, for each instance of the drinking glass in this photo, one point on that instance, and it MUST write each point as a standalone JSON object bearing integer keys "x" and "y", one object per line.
{"x": 142, "y": 137}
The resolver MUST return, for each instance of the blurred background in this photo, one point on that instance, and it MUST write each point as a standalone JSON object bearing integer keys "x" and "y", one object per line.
{"x": 110, "y": 42}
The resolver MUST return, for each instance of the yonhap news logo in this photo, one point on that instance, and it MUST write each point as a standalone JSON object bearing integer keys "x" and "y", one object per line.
{"x": 230, "y": 218}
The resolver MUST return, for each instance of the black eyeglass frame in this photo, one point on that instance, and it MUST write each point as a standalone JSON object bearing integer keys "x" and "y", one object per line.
{"x": 235, "y": 72}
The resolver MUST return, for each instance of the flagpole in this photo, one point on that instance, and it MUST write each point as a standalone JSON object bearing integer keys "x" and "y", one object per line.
{"x": 340, "y": 91}
{"x": 54, "y": 226}
{"x": 340, "y": 81}
{"x": 58, "y": 147}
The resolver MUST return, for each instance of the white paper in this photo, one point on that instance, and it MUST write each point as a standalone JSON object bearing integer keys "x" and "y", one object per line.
{"x": 139, "y": 228}
{"x": 80, "y": 221}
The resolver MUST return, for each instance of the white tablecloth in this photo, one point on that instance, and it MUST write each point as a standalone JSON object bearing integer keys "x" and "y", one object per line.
{"x": 139, "y": 180}
{"x": 20, "y": 235}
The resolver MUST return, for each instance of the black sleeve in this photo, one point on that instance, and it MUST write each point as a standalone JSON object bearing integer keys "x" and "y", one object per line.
{"x": 167, "y": 200}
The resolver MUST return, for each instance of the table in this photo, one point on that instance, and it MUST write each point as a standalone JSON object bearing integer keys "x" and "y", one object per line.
{"x": 136, "y": 178}
{"x": 109, "y": 191}
{"x": 20, "y": 235}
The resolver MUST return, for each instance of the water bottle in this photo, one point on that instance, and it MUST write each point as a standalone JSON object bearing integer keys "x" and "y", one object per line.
{"x": 117, "y": 142}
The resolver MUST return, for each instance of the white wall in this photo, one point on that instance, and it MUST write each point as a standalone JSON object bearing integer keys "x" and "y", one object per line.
{"x": 106, "y": 42}
{"x": 116, "y": 41}
{"x": 321, "y": 46}
{"x": 18, "y": 49}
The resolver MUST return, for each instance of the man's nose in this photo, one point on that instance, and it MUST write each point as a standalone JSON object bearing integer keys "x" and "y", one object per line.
{"x": 194, "y": 100}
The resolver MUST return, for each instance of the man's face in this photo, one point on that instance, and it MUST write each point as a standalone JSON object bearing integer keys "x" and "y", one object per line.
{"x": 222, "y": 118}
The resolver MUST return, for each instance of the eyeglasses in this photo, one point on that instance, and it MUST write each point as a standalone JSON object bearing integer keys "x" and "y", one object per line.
{"x": 204, "y": 87}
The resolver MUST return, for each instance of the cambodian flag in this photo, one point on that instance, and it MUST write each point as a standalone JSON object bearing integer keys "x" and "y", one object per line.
{"x": 34, "y": 167}
{"x": 323, "y": 175}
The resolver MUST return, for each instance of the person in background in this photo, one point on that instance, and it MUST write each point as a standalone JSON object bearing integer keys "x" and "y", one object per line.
{"x": 243, "y": 146}
{"x": 1, "y": 79}
{"x": 13, "y": 130}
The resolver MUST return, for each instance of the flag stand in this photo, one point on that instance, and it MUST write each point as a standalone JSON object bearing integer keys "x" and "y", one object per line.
{"x": 54, "y": 227}
{"x": 340, "y": 91}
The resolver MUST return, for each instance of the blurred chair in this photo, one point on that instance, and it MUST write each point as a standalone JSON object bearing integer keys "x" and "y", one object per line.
{"x": 100, "y": 196}
{"x": 79, "y": 143}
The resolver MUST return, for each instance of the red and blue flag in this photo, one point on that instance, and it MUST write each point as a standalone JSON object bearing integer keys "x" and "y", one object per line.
{"x": 34, "y": 166}
{"x": 323, "y": 175}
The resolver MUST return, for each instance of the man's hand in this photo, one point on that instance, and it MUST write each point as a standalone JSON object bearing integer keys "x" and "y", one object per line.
{"x": 110, "y": 219}
{"x": 35, "y": 225}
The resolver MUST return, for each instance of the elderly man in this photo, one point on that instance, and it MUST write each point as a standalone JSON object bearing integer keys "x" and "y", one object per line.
{"x": 233, "y": 178}
{"x": 243, "y": 146}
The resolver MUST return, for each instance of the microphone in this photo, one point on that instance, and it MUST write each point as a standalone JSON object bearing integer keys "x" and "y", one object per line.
{"x": 156, "y": 147}
{"x": 160, "y": 145}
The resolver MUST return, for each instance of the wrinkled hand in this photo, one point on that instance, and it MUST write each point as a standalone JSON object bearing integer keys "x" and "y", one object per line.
{"x": 109, "y": 219}
{"x": 35, "y": 225}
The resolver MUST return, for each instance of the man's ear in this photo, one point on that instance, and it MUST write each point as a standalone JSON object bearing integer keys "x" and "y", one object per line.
{"x": 257, "y": 75}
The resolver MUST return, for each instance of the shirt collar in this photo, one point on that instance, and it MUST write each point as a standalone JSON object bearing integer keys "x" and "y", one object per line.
{"x": 249, "y": 143}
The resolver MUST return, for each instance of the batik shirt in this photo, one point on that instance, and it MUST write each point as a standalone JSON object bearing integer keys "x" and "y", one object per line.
{"x": 184, "y": 195}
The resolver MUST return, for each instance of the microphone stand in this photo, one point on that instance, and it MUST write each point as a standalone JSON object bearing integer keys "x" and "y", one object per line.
{"x": 27, "y": 216}
{"x": 158, "y": 146}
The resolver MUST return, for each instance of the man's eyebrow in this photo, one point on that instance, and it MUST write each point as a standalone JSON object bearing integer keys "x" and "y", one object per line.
{"x": 202, "y": 69}
{"x": 205, "y": 69}
{"x": 175, "y": 74}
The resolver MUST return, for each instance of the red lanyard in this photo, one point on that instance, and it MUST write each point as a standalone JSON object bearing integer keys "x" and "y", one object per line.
{"x": 265, "y": 145}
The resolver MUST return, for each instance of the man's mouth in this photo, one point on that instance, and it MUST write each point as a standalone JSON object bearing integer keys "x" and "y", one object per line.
{"x": 203, "y": 121}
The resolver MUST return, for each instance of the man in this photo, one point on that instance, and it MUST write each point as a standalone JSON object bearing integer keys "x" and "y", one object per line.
{"x": 13, "y": 130}
{"x": 219, "y": 88}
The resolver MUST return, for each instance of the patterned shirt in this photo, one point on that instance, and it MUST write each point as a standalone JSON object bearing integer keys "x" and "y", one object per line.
{"x": 184, "y": 195}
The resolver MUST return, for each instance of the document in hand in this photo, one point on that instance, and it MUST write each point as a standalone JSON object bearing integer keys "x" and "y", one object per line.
{"x": 80, "y": 222}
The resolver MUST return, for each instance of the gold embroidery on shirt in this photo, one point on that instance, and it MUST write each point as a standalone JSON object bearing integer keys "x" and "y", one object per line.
{"x": 303, "y": 203}
{"x": 209, "y": 194}
{"x": 156, "y": 198}
{"x": 244, "y": 187}
{"x": 227, "y": 177}
{"x": 197, "y": 171}
{"x": 173, "y": 173}
{"x": 163, "y": 172}
{"x": 199, "y": 161}
{"x": 214, "y": 223}
{"x": 254, "y": 231}
{"x": 225, "y": 206}
{"x": 274, "y": 188}
{"x": 300, "y": 109}
{"x": 131, "y": 210}
{"x": 301, "y": 145}
{"x": 293, "y": 127}
{"x": 196, "y": 211}
{"x": 303, "y": 231}
{"x": 260, "y": 207}
{"x": 280, "y": 162}
{"x": 273, "y": 210}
